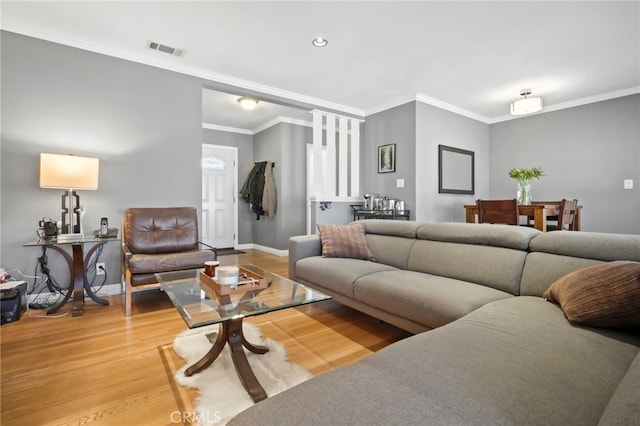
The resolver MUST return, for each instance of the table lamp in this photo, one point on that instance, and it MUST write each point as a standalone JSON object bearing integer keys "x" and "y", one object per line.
{"x": 71, "y": 173}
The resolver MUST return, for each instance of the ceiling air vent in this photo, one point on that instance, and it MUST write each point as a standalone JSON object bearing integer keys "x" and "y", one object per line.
{"x": 166, "y": 49}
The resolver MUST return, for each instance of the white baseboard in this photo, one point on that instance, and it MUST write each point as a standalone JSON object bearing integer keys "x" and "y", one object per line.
{"x": 266, "y": 249}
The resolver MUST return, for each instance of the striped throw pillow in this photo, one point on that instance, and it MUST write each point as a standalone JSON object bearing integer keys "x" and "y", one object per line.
{"x": 606, "y": 295}
{"x": 345, "y": 241}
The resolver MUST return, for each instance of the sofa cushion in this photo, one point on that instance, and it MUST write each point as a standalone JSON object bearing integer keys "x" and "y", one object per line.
{"x": 427, "y": 299}
{"x": 345, "y": 241}
{"x": 512, "y": 362}
{"x": 153, "y": 263}
{"x": 336, "y": 274}
{"x": 496, "y": 267}
{"x": 391, "y": 250}
{"x": 507, "y": 236}
{"x": 589, "y": 245}
{"x": 542, "y": 269}
{"x": 606, "y": 295}
{"x": 623, "y": 407}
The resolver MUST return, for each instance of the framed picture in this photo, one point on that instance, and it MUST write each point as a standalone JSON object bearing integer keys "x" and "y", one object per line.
{"x": 456, "y": 170}
{"x": 387, "y": 158}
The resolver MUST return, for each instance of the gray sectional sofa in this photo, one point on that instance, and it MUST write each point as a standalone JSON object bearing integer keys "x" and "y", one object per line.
{"x": 494, "y": 351}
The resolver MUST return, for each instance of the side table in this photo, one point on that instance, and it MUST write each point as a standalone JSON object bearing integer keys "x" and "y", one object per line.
{"x": 78, "y": 283}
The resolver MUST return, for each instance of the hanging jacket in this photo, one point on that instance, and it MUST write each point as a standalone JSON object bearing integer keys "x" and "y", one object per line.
{"x": 269, "y": 193}
{"x": 253, "y": 188}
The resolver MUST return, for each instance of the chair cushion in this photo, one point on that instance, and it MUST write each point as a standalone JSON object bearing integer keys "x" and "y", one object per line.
{"x": 161, "y": 230}
{"x": 345, "y": 241}
{"x": 606, "y": 295}
{"x": 152, "y": 263}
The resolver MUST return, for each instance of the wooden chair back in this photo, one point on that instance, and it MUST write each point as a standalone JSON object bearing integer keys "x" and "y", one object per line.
{"x": 498, "y": 211}
{"x": 567, "y": 213}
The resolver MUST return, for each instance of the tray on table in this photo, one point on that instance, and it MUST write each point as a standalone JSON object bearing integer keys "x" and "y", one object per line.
{"x": 249, "y": 281}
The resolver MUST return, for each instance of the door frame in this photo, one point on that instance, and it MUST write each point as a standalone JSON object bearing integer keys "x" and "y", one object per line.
{"x": 235, "y": 185}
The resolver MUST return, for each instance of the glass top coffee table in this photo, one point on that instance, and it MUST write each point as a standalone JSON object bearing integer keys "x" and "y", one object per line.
{"x": 199, "y": 305}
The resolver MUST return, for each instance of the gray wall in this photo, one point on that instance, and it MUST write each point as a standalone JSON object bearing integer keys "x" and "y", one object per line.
{"x": 143, "y": 123}
{"x": 417, "y": 129}
{"x": 586, "y": 152}
{"x": 435, "y": 127}
{"x": 284, "y": 144}
{"x": 396, "y": 125}
{"x": 244, "y": 143}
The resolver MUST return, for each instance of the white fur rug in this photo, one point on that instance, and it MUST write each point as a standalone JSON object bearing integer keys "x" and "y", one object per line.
{"x": 222, "y": 396}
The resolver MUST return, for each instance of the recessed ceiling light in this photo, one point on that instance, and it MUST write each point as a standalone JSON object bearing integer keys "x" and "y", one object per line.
{"x": 247, "y": 103}
{"x": 319, "y": 42}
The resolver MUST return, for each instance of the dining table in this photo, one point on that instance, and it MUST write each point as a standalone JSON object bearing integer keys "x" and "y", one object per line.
{"x": 540, "y": 211}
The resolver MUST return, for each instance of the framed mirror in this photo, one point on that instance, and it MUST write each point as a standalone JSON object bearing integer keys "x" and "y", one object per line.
{"x": 456, "y": 170}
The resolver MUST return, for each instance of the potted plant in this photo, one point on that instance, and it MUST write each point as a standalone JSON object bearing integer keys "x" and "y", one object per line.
{"x": 524, "y": 176}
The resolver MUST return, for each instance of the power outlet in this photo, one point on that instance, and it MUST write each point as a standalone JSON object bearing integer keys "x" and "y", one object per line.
{"x": 100, "y": 268}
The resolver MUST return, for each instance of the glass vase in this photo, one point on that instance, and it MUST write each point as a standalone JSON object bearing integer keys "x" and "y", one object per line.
{"x": 524, "y": 192}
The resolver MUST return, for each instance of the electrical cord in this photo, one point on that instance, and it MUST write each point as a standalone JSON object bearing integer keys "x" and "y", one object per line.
{"x": 44, "y": 268}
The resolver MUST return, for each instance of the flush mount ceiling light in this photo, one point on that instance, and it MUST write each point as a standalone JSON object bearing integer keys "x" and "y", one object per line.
{"x": 319, "y": 42}
{"x": 247, "y": 103}
{"x": 526, "y": 105}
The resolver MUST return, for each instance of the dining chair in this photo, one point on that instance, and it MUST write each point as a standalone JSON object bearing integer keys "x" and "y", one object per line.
{"x": 498, "y": 211}
{"x": 159, "y": 240}
{"x": 566, "y": 215}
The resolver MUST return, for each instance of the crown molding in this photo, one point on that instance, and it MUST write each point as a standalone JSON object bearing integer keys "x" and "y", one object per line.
{"x": 174, "y": 65}
{"x": 261, "y": 128}
{"x": 418, "y": 97}
{"x": 451, "y": 108}
{"x": 228, "y": 129}
{"x": 279, "y": 120}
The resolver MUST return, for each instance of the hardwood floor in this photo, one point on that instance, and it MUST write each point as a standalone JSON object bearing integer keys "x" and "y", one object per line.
{"x": 107, "y": 369}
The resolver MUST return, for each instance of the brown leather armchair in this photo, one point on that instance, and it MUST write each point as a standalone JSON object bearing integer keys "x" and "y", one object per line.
{"x": 159, "y": 240}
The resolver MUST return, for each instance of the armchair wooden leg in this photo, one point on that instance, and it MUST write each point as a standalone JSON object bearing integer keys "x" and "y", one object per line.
{"x": 127, "y": 299}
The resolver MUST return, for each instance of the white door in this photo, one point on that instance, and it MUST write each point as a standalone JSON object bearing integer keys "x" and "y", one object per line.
{"x": 219, "y": 183}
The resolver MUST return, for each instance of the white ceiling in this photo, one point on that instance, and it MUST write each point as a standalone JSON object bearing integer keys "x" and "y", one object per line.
{"x": 469, "y": 57}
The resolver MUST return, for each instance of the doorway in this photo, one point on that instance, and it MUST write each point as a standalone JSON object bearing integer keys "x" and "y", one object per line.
{"x": 219, "y": 200}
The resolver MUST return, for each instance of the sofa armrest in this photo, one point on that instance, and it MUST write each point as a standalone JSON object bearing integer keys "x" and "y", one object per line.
{"x": 302, "y": 246}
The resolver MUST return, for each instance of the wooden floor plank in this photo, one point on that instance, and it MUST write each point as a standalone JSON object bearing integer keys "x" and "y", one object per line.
{"x": 107, "y": 369}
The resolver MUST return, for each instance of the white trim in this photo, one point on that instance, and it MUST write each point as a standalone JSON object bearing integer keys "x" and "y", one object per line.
{"x": 330, "y": 178}
{"x": 175, "y": 65}
{"x": 418, "y": 97}
{"x": 460, "y": 111}
{"x": 574, "y": 103}
{"x": 355, "y": 157}
{"x": 281, "y": 119}
{"x": 226, "y": 129}
{"x": 451, "y": 108}
{"x": 361, "y": 120}
{"x": 265, "y": 249}
{"x": 392, "y": 104}
{"x": 265, "y": 126}
{"x": 317, "y": 186}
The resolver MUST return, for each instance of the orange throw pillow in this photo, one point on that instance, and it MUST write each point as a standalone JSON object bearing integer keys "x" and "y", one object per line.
{"x": 606, "y": 295}
{"x": 345, "y": 241}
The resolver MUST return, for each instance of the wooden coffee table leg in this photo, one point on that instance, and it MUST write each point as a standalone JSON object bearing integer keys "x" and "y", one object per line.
{"x": 210, "y": 356}
{"x": 256, "y": 349}
{"x": 236, "y": 341}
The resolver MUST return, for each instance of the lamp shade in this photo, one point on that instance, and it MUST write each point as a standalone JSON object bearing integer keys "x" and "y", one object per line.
{"x": 68, "y": 172}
